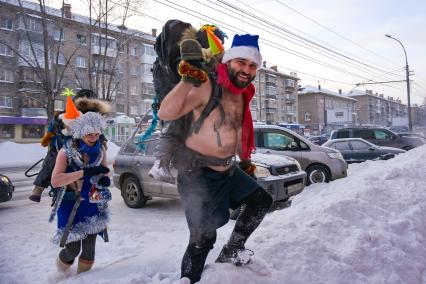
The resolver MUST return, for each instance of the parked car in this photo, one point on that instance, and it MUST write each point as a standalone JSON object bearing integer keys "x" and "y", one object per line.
{"x": 357, "y": 150}
{"x": 6, "y": 188}
{"x": 281, "y": 176}
{"x": 320, "y": 163}
{"x": 399, "y": 129}
{"x": 318, "y": 140}
{"x": 378, "y": 136}
{"x": 421, "y": 137}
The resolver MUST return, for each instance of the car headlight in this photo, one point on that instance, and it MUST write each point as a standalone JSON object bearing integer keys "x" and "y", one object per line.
{"x": 262, "y": 172}
{"x": 334, "y": 155}
{"x": 4, "y": 179}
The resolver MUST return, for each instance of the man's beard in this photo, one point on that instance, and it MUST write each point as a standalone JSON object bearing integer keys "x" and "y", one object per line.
{"x": 233, "y": 76}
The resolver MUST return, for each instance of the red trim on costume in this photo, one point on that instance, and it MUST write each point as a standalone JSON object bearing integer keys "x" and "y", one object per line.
{"x": 247, "y": 136}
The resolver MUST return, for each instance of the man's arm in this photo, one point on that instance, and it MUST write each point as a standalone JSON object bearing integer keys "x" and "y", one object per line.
{"x": 182, "y": 99}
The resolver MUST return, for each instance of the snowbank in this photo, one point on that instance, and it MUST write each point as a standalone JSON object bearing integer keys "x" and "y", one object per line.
{"x": 366, "y": 228}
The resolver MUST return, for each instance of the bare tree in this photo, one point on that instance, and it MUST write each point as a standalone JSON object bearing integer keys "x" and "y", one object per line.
{"x": 111, "y": 36}
{"x": 52, "y": 69}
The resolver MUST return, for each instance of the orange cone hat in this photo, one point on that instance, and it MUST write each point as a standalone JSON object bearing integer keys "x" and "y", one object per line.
{"x": 71, "y": 111}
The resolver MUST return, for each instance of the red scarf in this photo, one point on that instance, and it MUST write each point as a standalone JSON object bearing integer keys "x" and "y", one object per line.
{"x": 247, "y": 136}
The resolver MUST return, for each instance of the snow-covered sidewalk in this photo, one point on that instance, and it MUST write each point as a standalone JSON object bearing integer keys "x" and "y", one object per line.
{"x": 367, "y": 228}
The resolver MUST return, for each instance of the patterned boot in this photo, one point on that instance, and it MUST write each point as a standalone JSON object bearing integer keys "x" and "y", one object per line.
{"x": 36, "y": 193}
{"x": 63, "y": 267}
{"x": 84, "y": 265}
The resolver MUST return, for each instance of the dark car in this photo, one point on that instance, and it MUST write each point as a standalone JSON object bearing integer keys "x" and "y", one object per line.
{"x": 379, "y": 136}
{"x": 6, "y": 188}
{"x": 318, "y": 140}
{"x": 281, "y": 176}
{"x": 357, "y": 150}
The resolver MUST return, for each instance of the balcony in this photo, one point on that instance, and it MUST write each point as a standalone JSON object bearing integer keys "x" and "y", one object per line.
{"x": 99, "y": 50}
{"x": 270, "y": 110}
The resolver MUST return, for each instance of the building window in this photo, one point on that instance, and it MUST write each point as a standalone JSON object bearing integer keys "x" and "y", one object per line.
{"x": 5, "y": 102}
{"x": 7, "y": 131}
{"x": 146, "y": 69}
{"x": 133, "y": 90}
{"x": 134, "y": 110}
{"x": 5, "y": 50}
{"x": 80, "y": 62}
{"x": 26, "y": 51}
{"x": 290, "y": 83}
{"x": 32, "y": 131}
{"x": 61, "y": 59}
{"x": 134, "y": 51}
{"x": 59, "y": 35}
{"x": 30, "y": 24}
{"x": 307, "y": 116}
{"x": 121, "y": 48}
{"x": 6, "y": 76}
{"x": 148, "y": 89}
{"x": 30, "y": 76}
{"x": 133, "y": 70}
{"x": 81, "y": 39}
{"x": 339, "y": 114}
{"x": 59, "y": 105}
{"x": 148, "y": 50}
{"x": 119, "y": 108}
{"x": 6, "y": 24}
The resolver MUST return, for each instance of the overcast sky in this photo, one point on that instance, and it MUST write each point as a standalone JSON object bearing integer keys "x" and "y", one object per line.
{"x": 353, "y": 28}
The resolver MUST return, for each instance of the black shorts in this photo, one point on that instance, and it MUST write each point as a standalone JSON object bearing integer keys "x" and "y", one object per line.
{"x": 207, "y": 195}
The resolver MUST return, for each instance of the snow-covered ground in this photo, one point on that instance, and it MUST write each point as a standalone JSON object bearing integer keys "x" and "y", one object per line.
{"x": 367, "y": 228}
{"x": 14, "y": 154}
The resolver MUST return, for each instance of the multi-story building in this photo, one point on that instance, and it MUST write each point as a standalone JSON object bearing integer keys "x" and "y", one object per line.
{"x": 321, "y": 110}
{"x": 376, "y": 109}
{"x": 275, "y": 100}
{"x": 114, "y": 61}
{"x": 418, "y": 116}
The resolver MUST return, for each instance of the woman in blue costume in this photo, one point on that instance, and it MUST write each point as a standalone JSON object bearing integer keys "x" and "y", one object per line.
{"x": 81, "y": 168}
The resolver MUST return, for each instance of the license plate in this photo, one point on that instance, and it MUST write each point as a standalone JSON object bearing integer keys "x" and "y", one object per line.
{"x": 294, "y": 187}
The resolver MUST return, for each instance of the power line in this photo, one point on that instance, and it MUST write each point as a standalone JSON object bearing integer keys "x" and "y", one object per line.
{"x": 302, "y": 43}
{"x": 330, "y": 30}
{"x": 298, "y": 36}
{"x": 196, "y": 14}
{"x": 302, "y": 32}
{"x": 203, "y": 17}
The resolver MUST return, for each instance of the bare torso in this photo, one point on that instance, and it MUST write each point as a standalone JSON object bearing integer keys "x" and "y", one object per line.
{"x": 206, "y": 141}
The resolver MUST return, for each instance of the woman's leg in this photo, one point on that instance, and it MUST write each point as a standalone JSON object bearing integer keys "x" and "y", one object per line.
{"x": 87, "y": 257}
{"x": 67, "y": 255}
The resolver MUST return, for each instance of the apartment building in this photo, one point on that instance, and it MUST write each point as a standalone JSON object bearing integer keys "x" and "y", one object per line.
{"x": 113, "y": 60}
{"x": 376, "y": 109}
{"x": 275, "y": 100}
{"x": 418, "y": 115}
{"x": 322, "y": 110}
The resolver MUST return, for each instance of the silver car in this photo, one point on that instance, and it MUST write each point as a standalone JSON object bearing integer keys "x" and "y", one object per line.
{"x": 281, "y": 176}
{"x": 321, "y": 164}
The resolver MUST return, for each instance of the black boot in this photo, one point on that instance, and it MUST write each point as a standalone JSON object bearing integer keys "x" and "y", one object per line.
{"x": 257, "y": 205}
{"x": 238, "y": 256}
{"x": 195, "y": 257}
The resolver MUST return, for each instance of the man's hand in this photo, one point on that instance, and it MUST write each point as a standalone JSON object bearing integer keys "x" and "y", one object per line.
{"x": 192, "y": 61}
{"x": 92, "y": 171}
{"x": 248, "y": 167}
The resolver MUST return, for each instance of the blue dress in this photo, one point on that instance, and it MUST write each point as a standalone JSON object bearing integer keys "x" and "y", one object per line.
{"x": 90, "y": 218}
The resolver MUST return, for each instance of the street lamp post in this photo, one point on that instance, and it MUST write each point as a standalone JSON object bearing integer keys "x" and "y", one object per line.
{"x": 407, "y": 74}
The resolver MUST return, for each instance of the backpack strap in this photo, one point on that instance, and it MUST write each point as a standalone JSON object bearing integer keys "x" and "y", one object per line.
{"x": 214, "y": 101}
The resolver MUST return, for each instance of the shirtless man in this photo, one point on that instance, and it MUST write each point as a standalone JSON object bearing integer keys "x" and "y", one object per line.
{"x": 212, "y": 183}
